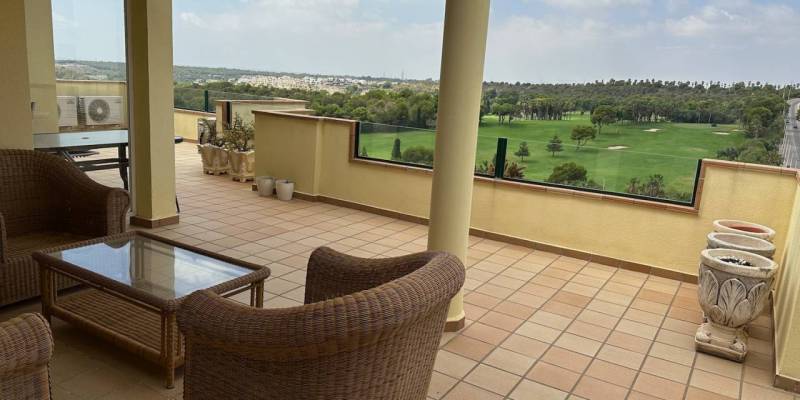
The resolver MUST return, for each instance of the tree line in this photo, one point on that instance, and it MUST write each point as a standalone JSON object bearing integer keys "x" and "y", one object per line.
{"x": 758, "y": 108}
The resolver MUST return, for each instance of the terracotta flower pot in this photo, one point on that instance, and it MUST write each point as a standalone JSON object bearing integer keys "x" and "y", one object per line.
{"x": 750, "y": 244}
{"x": 744, "y": 228}
{"x": 733, "y": 288}
{"x": 243, "y": 165}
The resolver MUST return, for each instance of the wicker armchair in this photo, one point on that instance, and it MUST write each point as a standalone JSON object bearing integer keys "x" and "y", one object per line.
{"x": 370, "y": 329}
{"x": 27, "y": 346}
{"x": 46, "y": 201}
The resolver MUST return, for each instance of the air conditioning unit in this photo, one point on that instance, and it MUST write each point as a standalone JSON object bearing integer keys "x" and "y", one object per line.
{"x": 101, "y": 110}
{"x": 67, "y": 110}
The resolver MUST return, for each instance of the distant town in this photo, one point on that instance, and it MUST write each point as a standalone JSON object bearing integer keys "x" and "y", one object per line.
{"x": 104, "y": 70}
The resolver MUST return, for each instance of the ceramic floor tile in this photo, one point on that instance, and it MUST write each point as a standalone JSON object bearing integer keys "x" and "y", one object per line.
{"x": 535, "y": 319}
{"x": 492, "y": 379}
{"x": 554, "y": 376}
{"x": 528, "y": 390}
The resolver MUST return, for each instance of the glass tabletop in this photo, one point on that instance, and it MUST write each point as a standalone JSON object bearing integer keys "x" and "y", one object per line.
{"x": 157, "y": 268}
{"x": 43, "y": 141}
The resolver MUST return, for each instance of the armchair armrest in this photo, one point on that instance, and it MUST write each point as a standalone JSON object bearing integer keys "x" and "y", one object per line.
{"x": 92, "y": 209}
{"x": 27, "y": 344}
{"x": 3, "y": 240}
{"x": 332, "y": 274}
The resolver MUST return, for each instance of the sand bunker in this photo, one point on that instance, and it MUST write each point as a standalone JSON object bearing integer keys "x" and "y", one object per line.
{"x": 652, "y": 130}
{"x": 617, "y": 147}
{"x": 721, "y": 133}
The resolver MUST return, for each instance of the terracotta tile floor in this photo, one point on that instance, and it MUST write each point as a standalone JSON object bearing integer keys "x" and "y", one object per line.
{"x": 540, "y": 326}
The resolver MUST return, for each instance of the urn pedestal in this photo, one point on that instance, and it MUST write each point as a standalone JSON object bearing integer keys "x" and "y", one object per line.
{"x": 733, "y": 289}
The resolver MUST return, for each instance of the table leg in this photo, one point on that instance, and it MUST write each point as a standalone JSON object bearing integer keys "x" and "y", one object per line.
{"x": 46, "y": 285}
{"x": 168, "y": 323}
{"x": 122, "y": 154}
{"x": 257, "y": 294}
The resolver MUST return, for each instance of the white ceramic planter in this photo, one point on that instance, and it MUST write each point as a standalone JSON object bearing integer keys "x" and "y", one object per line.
{"x": 731, "y": 296}
{"x": 266, "y": 185}
{"x": 243, "y": 165}
{"x": 750, "y": 244}
{"x": 284, "y": 189}
{"x": 215, "y": 159}
{"x": 744, "y": 228}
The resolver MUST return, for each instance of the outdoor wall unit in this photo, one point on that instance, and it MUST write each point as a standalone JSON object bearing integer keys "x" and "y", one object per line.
{"x": 67, "y": 111}
{"x": 100, "y": 110}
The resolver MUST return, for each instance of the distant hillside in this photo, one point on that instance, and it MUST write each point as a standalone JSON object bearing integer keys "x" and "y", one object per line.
{"x": 105, "y": 70}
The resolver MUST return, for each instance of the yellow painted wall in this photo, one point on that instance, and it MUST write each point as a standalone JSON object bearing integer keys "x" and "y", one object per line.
{"x": 787, "y": 301}
{"x": 665, "y": 239}
{"x": 186, "y": 122}
{"x": 15, "y": 96}
{"x": 41, "y": 65}
{"x": 288, "y": 149}
{"x": 96, "y": 88}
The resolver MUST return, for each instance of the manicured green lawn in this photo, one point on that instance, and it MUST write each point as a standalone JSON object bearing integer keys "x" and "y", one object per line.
{"x": 672, "y": 151}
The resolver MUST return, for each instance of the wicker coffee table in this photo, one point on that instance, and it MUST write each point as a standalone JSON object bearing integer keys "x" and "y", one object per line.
{"x": 133, "y": 284}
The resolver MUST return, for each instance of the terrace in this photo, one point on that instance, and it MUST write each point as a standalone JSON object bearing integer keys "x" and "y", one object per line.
{"x": 539, "y": 324}
{"x": 568, "y": 293}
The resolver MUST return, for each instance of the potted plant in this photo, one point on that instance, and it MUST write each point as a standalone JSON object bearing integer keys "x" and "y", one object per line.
{"x": 744, "y": 228}
{"x": 733, "y": 289}
{"x": 212, "y": 153}
{"x": 238, "y": 138}
{"x": 750, "y": 244}
{"x": 285, "y": 189}
{"x": 266, "y": 185}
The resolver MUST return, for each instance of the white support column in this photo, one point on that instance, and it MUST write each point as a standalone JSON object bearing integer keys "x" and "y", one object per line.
{"x": 461, "y": 82}
{"x": 149, "y": 45}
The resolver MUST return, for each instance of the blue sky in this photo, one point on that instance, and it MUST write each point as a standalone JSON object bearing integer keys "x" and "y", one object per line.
{"x": 529, "y": 40}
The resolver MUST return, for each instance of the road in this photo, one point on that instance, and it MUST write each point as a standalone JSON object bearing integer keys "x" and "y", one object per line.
{"x": 790, "y": 146}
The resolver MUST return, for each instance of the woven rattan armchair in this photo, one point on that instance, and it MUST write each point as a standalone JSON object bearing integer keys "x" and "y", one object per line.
{"x": 26, "y": 346}
{"x": 369, "y": 329}
{"x": 45, "y": 201}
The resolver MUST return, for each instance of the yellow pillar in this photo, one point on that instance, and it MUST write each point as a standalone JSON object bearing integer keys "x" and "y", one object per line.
{"x": 149, "y": 42}
{"x": 42, "y": 65}
{"x": 16, "y": 129}
{"x": 460, "y": 85}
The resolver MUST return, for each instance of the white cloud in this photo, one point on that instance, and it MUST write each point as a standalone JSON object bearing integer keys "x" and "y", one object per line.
{"x": 691, "y": 25}
{"x": 194, "y": 19}
{"x": 594, "y": 4}
{"x": 742, "y": 19}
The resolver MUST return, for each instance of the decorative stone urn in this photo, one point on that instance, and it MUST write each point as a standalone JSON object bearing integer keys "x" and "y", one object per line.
{"x": 214, "y": 158}
{"x": 750, "y": 244}
{"x": 733, "y": 289}
{"x": 243, "y": 165}
{"x": 744, "y": 228}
